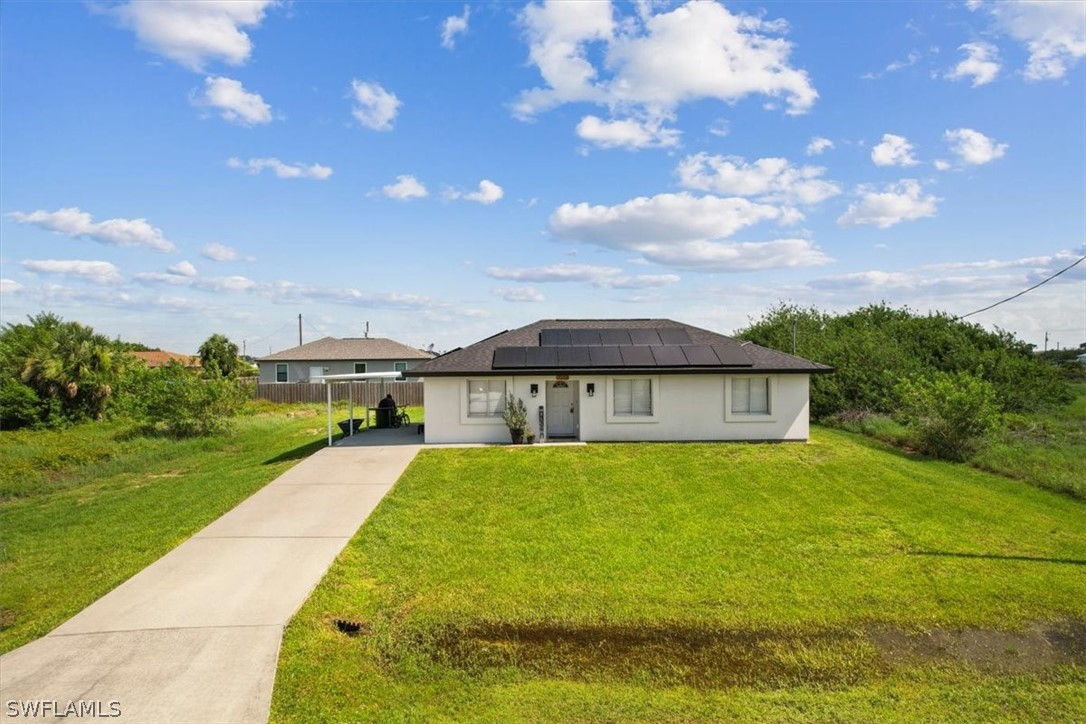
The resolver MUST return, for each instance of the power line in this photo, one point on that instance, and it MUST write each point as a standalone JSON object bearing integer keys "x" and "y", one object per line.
{"x": 1038, "y": 284}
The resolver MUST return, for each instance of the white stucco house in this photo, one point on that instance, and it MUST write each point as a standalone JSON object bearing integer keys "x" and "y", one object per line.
{"x": 618, "y": 379}
{"x": 332, "y": 356}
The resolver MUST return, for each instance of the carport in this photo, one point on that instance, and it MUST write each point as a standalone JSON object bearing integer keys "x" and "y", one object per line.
{"x": 365, "y": 377}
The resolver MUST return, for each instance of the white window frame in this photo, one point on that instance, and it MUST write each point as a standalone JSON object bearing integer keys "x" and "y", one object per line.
{"x": 772, "y": 402}
{"x": 654, "y": 395}
{"x": 286, "y": 372}
{"x": 466, "y": 417}
{"x": 365, "y": 368}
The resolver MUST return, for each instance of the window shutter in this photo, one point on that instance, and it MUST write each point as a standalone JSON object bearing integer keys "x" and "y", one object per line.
{"x": 741, "y": 395}
{"x": 623, "y": 397}
{"x": 759, "y": 396}
{"x": 641, "y": 394}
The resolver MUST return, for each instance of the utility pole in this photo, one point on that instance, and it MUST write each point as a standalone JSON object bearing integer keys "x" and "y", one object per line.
{"x": 1046, "y": 341}
{"x": 793, "y": 335}
{"x": 299, "y": 330}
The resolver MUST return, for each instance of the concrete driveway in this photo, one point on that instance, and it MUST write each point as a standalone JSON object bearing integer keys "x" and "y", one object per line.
{"x": 195, "y": 636}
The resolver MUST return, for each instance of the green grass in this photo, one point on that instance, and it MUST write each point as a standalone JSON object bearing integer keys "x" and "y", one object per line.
{"x": 692, "y": 582}
{"x": 83, "y": 509}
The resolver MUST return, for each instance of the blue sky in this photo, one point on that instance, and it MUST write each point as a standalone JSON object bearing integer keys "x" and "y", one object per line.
{"x": 444, "y": 171}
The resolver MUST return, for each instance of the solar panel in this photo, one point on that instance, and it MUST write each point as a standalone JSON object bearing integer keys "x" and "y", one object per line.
{"x": 585, "y": 337}
{"x": 541, "y": 356}
{"x": 507, "y": 357}
{"x": 615, "y": 337}
{"x": 700, "y": 355}
{"x": 644, "y": 336}
{"x": 554, "y": 338}
{"x": 605, "y": 356}
{"x": 673, "y": 335}
{"x": 668, "y": 356}
{"x": 573, "y": 357}
{"x": 732, "y": 355}
{"x": 637, "y": 356}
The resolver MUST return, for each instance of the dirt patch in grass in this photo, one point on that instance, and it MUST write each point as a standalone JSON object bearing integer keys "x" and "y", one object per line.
{"x": 722, "y": 660}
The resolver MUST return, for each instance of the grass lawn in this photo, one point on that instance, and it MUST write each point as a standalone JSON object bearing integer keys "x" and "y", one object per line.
{"x": 839, "y": 580}
{"x": 82, "y": 510}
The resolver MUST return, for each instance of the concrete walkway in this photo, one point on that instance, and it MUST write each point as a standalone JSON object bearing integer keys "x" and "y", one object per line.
{"x": 195, "y": 636}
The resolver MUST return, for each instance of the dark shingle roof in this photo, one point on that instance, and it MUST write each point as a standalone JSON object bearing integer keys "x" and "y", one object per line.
{"x": 349, "y": 349}
{"x": 478, "y": 359}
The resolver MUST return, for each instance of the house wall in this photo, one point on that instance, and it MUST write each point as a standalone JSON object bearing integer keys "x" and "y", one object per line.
{"x": 299, "y": 371}
{"x": 685, "y": 407}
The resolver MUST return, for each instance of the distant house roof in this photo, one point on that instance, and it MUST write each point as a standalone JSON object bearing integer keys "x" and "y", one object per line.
{"x": 159, "y": 358}
{"x": 347, "y": 349}
{"x": 611, "y": 346}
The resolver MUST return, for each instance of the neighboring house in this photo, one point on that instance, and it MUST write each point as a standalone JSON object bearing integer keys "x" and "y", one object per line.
{"x": 159, "y": 358}
{"x": 331, "y": 356}
{"x": 1081, "y": 359}
{"x": 618, "y": 379}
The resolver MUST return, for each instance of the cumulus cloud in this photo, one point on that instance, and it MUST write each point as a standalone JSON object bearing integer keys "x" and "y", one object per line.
{"x": 649, "y": 64}
{"x": 767, "y": 179}
{"x": 406, "y": 187}
{"x": 973, "y": 147}
{"x": 234, "y": 103}
{"x": 374, "y": 107}
{"x": 981, "y": 64}
{"x": 901, "y": 201}
{"x": 96, "y": 272}
{"x": 604, "y": 277}
{"x": 454, "y": 25}
{"x": 182, "y": 268}
{"x": 1039, "y": 264}
{"x": 207, "y": 284}
{"x": 818, "y": 146}
{"x": 487, "y": 193}
{"x": 627, "y": 133}
{"x": 941, "y": 164}
{"x": 893, "y": 151}
{"x": 519, "y": 294}
{"x": 76, "y": 223}
{"x": 10, "y": 286}
{"x": 1053, "y": 32}
{"x": 282, "y": 170}
{"x": 194, "y": 33}
{"x": 222, "y": 252}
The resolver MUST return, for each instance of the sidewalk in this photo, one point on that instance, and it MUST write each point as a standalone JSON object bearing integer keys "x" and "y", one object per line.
{"x": 195, "y": 636}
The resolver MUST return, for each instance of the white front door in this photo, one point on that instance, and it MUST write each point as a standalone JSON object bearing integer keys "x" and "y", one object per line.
{"x": 562, "y": 412}
{"x": 316, "y": 374}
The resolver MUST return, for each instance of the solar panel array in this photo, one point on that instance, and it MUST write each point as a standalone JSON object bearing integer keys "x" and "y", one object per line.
{"x": 617, "y": 349}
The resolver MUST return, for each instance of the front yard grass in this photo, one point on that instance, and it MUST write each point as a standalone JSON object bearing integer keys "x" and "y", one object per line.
{"x": 839, "y": 580}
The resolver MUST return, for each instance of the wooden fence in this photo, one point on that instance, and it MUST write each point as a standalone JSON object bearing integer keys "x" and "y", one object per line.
{"x": 405, "y": 393}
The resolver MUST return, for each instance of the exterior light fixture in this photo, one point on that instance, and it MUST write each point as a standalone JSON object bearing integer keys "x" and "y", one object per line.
{"x": 590, "y": 388}
{"x": 534, "y": 389}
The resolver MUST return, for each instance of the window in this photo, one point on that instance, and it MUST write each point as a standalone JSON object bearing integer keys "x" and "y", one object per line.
{"x": 280, "y": 371}
{"x": 633, "y": 398}
{"x": 360, "y": 368}
{"x": 486, "y": 398}
{"x": 750, "y": 396}
{"x": 401, "y": 367}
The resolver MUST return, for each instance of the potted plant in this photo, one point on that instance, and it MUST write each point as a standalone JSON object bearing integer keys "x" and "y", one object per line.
{"x": 515, "y": 416}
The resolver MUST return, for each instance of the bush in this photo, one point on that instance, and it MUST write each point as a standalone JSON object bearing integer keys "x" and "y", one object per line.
{"x": 178, "y": 402}
{"x": 947, "y": 414}
{"x": 19, "y": 405}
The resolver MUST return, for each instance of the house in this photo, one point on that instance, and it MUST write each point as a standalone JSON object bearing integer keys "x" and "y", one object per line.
{"x": 331, "y": 356}
{"x": 618, "y": 379}
{"x": 160, "y": 358}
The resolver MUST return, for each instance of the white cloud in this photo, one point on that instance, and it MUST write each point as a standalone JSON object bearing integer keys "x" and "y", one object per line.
{"x": 604, "y": 277}
{"x": 718, "y": 256}
{"x": 720, "y": 127}
{"x": 818, "y": 146}
{"x": 768, "y": 179}
{"x": 182, "y": 268}
{"x": 235, "y": 104}
{"x": 454, "y": 25}
{"x": 96, "y": 272}
{"x": 519, "y": 294}
{"x": 981, "y": 64}
{"x": 627, "y": 133}
{"x": 194, "y": 33}
{"x": 1053, "y": 32}
{"x": 901, "y": 201}
{"x": 893, "y": 151}
{"x": 282, "y": 170}
{"x": 222, "y": 252}
{"x": 116, "y": 232}
{"x": 375, "y": 108}
{"x": 487, "y": 193}
{"x": 973, "y": 147}
{"x": 655, "y": 62}
{"x": 10, "y": 286}
{"x": 207, "y": 284}
{"x": 941, "y": 164}
{"x": 1041, "y": 264}
{"x": 406, "y": 187}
